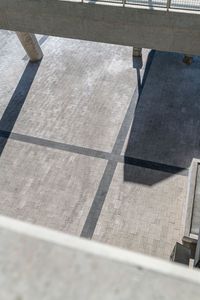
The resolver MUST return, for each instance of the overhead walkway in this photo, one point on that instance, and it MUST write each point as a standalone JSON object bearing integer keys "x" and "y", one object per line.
{"x": 168, "y": 25}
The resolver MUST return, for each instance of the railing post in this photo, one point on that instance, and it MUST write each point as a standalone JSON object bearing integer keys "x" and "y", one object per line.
{"x": 168, "y": 4}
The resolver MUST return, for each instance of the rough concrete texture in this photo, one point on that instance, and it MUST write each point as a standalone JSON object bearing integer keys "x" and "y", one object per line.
{"x": 38, "y": 263}
{"x": 70, "y": 118}
{"x": 31, "y": 46}
{"x": 48, "y": 187}
{"x": 72, "y": 98}
{"x": 148, "y": 219}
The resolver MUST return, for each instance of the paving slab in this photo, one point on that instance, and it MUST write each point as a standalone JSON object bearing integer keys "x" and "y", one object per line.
{"x": 67, "y": 115}
{"x": 81, "y": 91}
{"x": 48, "y": 186}
{"x": 142, "y": 218}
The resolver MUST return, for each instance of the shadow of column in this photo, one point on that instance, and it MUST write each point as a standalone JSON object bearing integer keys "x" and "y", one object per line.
{"x": 16, "y": 103}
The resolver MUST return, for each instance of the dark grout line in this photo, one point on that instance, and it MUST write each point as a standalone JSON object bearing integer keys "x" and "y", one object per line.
{"x": 16, "y": 102}
{"x": 121, "y": 138}
{"x": 102, "y": 191}
{"x": 94, "y": 153}
{"x": 98, "y": 202}
{"x": 99, "y": 199}
{"x": 56, "y": 145}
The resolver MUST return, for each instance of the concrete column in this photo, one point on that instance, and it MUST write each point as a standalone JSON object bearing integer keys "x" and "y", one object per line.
{"x": 137, "y": 52}
{"x": 31, "y": 46}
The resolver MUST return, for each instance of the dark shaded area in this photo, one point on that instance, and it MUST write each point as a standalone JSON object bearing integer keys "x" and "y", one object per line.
{"x": 16, "y": 102}
{"x": 138, "y": 64}
{"x": 154, "y": 166}
{"x": 181, "y": 254}
{"x": 165, "y": 131}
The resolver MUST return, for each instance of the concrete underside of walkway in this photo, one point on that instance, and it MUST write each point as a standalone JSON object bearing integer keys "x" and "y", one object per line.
{"x": 69, "y": 123}
{"x": 113, "y": 23}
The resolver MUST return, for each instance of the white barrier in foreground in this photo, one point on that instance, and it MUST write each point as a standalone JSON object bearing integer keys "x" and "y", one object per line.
{"x": 38, "y": 263}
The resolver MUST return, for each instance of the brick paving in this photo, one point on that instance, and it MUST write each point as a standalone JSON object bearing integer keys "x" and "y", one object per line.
{"x": 71, "y": 122}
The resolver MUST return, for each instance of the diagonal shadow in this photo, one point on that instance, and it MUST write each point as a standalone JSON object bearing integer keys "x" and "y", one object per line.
{"x": 16, "y": 102}
{"x": 164, "y": 136}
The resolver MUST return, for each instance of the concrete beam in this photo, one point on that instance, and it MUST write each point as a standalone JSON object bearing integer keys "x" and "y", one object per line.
{"x": 31, "y": 46}
{"x": 105, "y": 22}
{"x": 38, "y": 263}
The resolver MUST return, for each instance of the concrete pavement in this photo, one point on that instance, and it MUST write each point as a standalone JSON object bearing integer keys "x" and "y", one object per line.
{"x": 73, "y": 117}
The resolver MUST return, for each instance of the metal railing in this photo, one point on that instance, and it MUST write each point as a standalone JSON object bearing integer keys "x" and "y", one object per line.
{"x": 185, "y": 4}
{"x": 169, "y": 4}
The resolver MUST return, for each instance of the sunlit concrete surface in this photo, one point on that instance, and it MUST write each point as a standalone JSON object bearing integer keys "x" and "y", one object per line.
{"x": 69, "y": 123}
{"x": 148, "y": 219}
{"x": 38, "y": 263}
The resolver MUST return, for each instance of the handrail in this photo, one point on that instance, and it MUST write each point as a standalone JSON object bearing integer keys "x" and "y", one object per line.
{"x": 189, "y": 5}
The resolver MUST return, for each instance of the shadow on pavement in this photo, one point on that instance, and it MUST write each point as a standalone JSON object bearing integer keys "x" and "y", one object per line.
{"x": 16, "y": 102}
{"x": 165, "y": 133}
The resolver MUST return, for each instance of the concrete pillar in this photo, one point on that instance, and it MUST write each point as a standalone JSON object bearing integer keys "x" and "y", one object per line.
{"x": 31, "y": 46}
{"x": 137, "y": 52}
{"x": 188, "y": 59}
